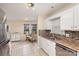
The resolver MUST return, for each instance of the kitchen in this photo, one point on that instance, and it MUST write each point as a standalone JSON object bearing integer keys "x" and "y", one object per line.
{"x": 59, "y": 36}
{"x": 54, "y": 33}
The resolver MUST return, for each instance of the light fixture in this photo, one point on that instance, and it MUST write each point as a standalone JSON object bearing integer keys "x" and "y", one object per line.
{"x": 30, "y": 5}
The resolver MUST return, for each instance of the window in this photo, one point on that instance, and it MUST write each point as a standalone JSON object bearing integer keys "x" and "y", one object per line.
{"x": 26, "y": 28}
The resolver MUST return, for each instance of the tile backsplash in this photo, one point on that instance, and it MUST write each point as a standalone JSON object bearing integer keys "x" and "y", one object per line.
{"x": 73, "y": 34}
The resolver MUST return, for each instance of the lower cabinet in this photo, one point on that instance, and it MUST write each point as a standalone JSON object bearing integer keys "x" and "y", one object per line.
{"x": 55, "y": 49}
{"x": 47, "y": 45}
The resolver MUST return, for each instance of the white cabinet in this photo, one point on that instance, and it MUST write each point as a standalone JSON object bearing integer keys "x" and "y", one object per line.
{"x": 67, "y": 19}
{"x": 51, "y": 47}
{"x": 70, "y": 19}
{"x": 47, "y": 45}
{"x": 76, "y": 15}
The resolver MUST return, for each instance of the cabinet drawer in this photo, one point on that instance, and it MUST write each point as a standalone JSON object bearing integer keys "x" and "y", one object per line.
{"x": 51, "y": 43}
{"x": 51, "y": 51}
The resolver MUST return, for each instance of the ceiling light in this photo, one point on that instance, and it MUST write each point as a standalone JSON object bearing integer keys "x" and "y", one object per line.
{"x": 30, "y": 5}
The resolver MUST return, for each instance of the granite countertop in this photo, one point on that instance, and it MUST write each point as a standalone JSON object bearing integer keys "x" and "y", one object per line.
{"x": 65, "y": 41}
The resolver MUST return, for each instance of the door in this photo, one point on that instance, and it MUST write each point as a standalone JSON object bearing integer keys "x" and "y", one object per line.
{"x": 67, "y": 20}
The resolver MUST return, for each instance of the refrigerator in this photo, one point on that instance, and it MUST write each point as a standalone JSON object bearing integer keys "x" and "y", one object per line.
{"x": 4, "y": 47}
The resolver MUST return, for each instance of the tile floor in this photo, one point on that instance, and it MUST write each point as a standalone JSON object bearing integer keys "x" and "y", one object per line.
{"x": 24, "y": 48}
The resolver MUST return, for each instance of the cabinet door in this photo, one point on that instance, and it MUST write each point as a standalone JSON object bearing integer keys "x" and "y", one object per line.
{"x": 40, "y": 41}
{"x": 76, "y": 20}
{"x": 51, "y": 48}
{"x": 67, "y": 20}
{"x": 47, "y": 45}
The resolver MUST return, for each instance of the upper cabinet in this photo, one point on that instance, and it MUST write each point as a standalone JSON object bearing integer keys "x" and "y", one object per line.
{"x": 76, "y": 19}
{"x": 67, "y": 18}
{"x": 70, "y": 19}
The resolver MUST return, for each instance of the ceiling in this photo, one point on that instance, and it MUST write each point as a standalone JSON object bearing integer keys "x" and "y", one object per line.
{"x": 16, "y": 11}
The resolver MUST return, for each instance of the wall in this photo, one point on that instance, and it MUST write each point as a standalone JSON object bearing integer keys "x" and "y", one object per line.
{"x": 40, "y": 22}
{"x": 18, "y": 26}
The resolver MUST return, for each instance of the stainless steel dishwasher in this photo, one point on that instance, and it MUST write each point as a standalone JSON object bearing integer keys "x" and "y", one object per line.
{"x": 64, "y": 51}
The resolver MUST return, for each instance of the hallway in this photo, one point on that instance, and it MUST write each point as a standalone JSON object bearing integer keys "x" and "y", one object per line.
{"x": 23, "y": 48}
